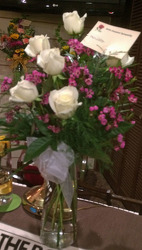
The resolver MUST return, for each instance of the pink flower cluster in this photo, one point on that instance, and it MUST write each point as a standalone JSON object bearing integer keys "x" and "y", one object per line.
{"x": 45, "y": 99}
{"x": 79, "y": 48}
{"x": 108, "y": 117}
{"x": 80, "y": 77}
{"x": 12, "y": 44}
{"x": 10, "y": 114}
{"x": 120, "y": 73}
{"x": 6, "y": 84}
{"x": 46, "y": 118}
{"x": 36, "y": 77}
{"x": 120, "y": 143}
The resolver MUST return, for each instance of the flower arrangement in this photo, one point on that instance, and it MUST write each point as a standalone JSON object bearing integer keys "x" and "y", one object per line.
{"x": 74, "y": 96}
{"x": 76, "y": 102}
{"x": 13, "y": 43}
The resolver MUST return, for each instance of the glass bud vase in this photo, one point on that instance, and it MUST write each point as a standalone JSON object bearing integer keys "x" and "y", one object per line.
{"x": 58, "y": 223}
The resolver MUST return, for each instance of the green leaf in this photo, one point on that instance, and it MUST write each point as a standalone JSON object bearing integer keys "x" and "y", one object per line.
{"x": 36, "y": 148}
{"x": 42, "y": 127}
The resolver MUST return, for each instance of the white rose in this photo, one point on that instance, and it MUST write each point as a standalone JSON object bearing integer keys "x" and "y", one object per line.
{"x": 112, "y": 61}
{"x": 64, "y": 102}
{"x": 36, "y": 45}
{"x": 51, "y": 61}
{"x": 127, "y": 60}
{"x": 73, "y": 23}
{"x": 24, "y": 91}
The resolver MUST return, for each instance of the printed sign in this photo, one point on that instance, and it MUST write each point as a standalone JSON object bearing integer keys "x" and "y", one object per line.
{"x": 12, "y": 238}
{"x": 110, "y": 40}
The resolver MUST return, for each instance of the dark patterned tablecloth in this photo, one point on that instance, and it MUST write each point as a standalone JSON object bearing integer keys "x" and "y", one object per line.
{"x": 99, "y": 227}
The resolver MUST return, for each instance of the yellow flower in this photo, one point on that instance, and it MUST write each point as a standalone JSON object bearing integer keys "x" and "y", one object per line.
{"x": 12, "y": 24}
{"x": 65, "y": 47}
{"x": 15, "y": 56}
{"x": 72, "y": 53}
{"x": 17, "y": 51}
{"x": 14, "y": 36}
{"x": 2, "y": 137}
{"x": 21, "y": 54}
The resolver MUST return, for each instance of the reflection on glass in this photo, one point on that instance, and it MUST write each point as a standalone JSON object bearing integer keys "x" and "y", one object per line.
{"x": 5, "y": 187}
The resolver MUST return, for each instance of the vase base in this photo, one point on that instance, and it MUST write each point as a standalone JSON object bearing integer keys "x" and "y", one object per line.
{"x": 50, "y": 239}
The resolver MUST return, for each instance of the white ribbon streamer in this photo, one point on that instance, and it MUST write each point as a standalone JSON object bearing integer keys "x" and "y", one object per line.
{"x": 54, "y": 166}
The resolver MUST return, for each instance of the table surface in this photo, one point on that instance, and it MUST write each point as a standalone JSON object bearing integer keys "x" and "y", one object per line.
{"x": 99, "y": 227}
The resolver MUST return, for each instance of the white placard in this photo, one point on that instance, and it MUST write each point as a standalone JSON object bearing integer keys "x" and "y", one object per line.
{"x": 110, "y": 40}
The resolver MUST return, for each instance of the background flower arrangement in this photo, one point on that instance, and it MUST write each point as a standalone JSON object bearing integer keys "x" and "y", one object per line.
{"x": 13, "y": 43}
{"x": 74, "y": 96}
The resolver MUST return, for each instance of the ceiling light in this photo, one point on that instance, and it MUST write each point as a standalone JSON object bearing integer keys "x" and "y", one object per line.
{"x": 55, "y": 5}
{"x": 23, "y": 1}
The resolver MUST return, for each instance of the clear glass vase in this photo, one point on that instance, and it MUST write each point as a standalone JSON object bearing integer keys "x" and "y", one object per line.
{"x": 58, "y": 223}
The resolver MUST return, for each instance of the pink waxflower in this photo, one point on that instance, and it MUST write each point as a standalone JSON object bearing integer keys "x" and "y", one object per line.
{"x": 116, "y": 148}
{"x": 76, "y": 45}
{"x": 9, "y": 116}
{"x": 120, "y": 138}
{"x": 128, "y": 75}
{"x": 132, "y": 98}
{"x": 6, "y": 84}
{"x": 106, "y": 109}
{"x": 117, "y": 71}
{"x": 45, "y": 99}
{"x": 120, "y": 118}
{"x": 36, "y": 77}
{"x": 54, "y": 129}
{"x": 89, "y": 93}
{"x": 112, "y": 112}
{"x": 103, "y": 122}
{"x": 72, "y": 82}
{"x": 88, "y": 81}
{"x": 108, "y": 127}
{"x": 92, "y": 108}
{"x": 44, "y": 118}
{"x": 122, "y": 145}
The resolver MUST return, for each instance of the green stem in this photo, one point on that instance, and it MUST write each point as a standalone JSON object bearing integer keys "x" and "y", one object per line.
{"x": 53, "y": 198}
{"x": 60, "y": 221}
{"x": 56, "y": 204}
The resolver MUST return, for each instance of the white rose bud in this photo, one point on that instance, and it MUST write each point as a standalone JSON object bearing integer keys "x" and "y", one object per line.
{"x": 112, "y": 61}
{"x": 51, "y": 61}
{"x": 127, "y": 60}
{"x": 73, "y": 24}
{"x": 36, "y": 45}
{"x": 64, "y": 101}
{"x": 24, "y": 91}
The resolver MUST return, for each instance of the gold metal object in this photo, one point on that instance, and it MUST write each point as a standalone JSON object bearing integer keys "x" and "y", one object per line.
{"x": 33, "y": 199}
